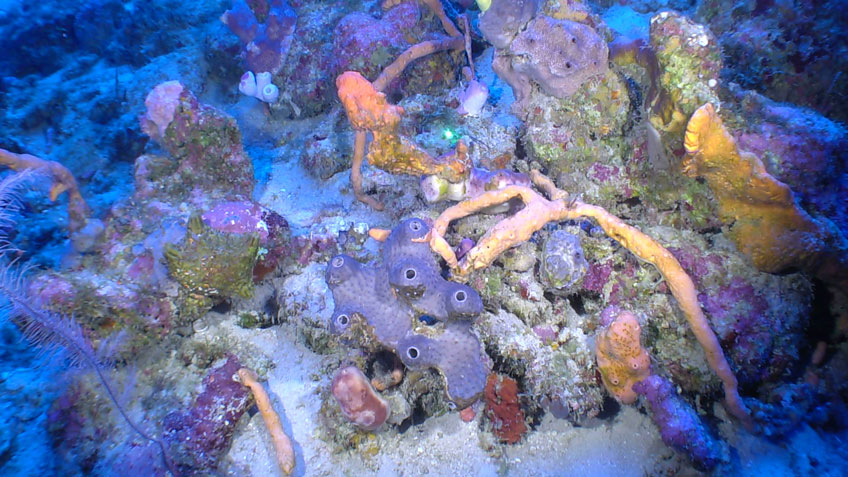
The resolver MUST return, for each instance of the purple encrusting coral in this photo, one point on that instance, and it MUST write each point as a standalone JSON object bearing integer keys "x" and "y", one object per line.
{"x": 680, "y": 427}
{"x": 266, "y": 28}
{"x": 201, "y": 434}
{"x": 597, "y": 276}
{"x": 365, "y": 44}
{"x": 758, "y": 333}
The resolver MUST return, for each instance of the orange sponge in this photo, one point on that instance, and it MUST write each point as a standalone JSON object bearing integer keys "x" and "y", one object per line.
{"x": 622, "y": 360}
{"x": 767, "y": 224}
{"x": 366, "y": 108}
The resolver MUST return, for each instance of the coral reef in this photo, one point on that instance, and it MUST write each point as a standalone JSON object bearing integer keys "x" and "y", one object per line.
{"x": 537, "y": 212}
{"x": 676, "y": 267}
{"x": 389, "y": 296}
{"x": 366, "y": 45}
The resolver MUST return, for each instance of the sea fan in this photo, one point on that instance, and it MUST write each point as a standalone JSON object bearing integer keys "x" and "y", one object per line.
{"x": 56, "y": 335}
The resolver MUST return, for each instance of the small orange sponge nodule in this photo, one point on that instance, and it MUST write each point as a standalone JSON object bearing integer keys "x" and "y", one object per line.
{"x": 621, "y": 359}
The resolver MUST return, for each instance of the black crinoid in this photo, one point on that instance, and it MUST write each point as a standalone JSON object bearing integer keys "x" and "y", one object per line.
{"x": 53, "y": 334}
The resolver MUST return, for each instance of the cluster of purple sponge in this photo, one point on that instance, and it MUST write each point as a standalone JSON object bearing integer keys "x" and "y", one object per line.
{"x": 395, "y": 297}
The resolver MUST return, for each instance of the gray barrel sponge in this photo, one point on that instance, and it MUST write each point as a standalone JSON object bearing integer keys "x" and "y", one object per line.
{"x": 559, "y": 55}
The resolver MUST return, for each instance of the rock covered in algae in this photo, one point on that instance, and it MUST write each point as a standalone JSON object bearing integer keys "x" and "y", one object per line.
{"x": 209, "y": 263}
{"x": 561, "y": 373}
{"x": 204, "y": 142}
{"x": 389, "y": 299}
{"x": 690, "y": 62}
{"x": 582, "y": 140}
{"x": 199, "y": 435}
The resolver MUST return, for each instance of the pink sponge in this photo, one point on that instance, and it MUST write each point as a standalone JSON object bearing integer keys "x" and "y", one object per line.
{"x": 358, "y": 400}
{"x": 161, "y": 105}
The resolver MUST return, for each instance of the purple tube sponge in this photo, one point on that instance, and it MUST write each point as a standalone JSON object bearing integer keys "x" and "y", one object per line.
{"x": 680, "y": 427}
{"x": 266, "y": 28}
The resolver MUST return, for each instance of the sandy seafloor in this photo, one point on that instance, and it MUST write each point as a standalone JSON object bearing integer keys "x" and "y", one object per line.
{"x": 627, "y": 444}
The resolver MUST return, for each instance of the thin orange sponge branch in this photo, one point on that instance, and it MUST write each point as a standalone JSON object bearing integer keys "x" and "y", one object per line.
{"x": 768, "y": 225}
{"x": 62, "y": 181}
{"x": 282, "y": 443}
{"x": 621, "y": 358}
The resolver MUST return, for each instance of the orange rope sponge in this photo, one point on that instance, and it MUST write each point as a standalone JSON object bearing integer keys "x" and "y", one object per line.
{"x": 282, "y": 443}
{"x": 62, "y": 181}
